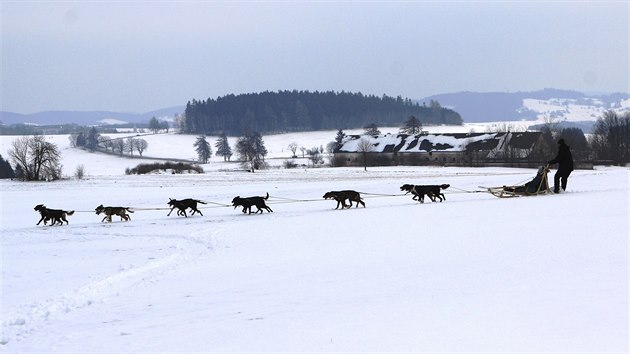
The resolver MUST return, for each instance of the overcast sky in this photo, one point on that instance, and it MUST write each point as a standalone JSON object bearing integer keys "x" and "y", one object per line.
{"x": 140, "y": 56}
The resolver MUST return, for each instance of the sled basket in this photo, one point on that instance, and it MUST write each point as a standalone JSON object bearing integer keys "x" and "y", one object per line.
{"x": 537, "y": 186}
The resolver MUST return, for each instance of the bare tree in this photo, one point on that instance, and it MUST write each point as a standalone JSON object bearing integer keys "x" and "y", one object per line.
{"x": 140, "y": 145}
{"x": 611, "y": 137}
{"x": 105, "y": 142}
{"x": 364, "y": 147}
{"x": 130, "y": 145}
{"x": 293, "y": 147}
{"x": 36, "y": 157}
{"x": 118, "y": 145}
{"x": 315, "y": 156}
{"x": 79, "y": 172}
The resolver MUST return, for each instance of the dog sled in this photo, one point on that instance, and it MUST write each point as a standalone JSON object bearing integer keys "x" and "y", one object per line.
{"x": 539, "y": 185}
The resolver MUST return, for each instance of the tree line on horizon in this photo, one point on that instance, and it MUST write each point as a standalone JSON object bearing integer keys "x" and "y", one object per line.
{"x": 294, "y": 111}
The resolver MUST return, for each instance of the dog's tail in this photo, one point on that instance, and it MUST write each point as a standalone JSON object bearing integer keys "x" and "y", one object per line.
{"x": 267, "y": 197}
{"x": 129, "y": 210}
{"x": 70, "y": 212}
{"x": 199, "y": 201}
{"x": 444, "y": 186}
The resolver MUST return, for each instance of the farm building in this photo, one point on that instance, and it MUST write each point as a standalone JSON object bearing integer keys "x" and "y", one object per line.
{"x": 463, "y": 149}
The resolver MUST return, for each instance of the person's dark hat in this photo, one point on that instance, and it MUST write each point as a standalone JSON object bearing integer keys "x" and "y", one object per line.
{"x": 561, "y": 142}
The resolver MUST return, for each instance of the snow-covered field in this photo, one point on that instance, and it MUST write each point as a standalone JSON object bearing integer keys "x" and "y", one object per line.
{"x": 472, "y": 274}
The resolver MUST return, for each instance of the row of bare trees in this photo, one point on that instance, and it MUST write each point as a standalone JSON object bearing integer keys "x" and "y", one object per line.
{"x": 611, "y": 138}
{"x": 121, "y": 146}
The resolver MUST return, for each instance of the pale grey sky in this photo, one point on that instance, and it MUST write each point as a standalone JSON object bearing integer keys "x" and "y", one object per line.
{"x": 138, "y": 56}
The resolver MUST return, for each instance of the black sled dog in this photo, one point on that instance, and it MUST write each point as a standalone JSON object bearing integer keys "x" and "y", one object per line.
{"x": 184, "y": 204}
{"x": 57, "y": 215}
{"x": 419, "y": 191}
{"x": 342, "y": 196}
{"x": 247, "y": 203}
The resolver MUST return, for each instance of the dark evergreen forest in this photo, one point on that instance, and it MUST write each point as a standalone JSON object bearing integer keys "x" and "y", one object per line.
{"x": 291, "y": 111}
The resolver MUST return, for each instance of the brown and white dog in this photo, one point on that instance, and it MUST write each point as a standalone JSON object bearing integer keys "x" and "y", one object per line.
{"x": 109, "y": 211}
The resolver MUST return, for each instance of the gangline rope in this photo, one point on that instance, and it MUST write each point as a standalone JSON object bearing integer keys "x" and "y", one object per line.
{"x": 285, "y": 200}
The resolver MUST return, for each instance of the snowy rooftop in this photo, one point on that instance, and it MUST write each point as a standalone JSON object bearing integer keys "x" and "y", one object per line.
{"x": 442, "y": 142}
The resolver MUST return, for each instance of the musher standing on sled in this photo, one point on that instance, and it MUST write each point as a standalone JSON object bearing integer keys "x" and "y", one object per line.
{"x": 564, "y": 159}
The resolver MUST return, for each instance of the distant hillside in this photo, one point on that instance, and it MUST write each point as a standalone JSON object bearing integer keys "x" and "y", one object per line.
{"x": 88, "y": 118}
{"x": 291, "y": 111}
{"x": 569, "y": 107}
{"x": 561, "y": 105}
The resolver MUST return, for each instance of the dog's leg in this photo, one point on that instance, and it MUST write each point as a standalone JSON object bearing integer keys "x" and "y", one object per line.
{"x": 169, "y": 213}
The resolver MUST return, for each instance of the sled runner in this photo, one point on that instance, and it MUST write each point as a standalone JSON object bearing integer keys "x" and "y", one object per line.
{"x": 537, "y": 186}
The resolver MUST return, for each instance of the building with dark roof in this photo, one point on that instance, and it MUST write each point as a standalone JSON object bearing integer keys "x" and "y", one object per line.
{"x": 461, "y": 149}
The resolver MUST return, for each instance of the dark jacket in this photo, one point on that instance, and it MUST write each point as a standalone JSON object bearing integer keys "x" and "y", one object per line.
{"x": 564, "y": 159}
